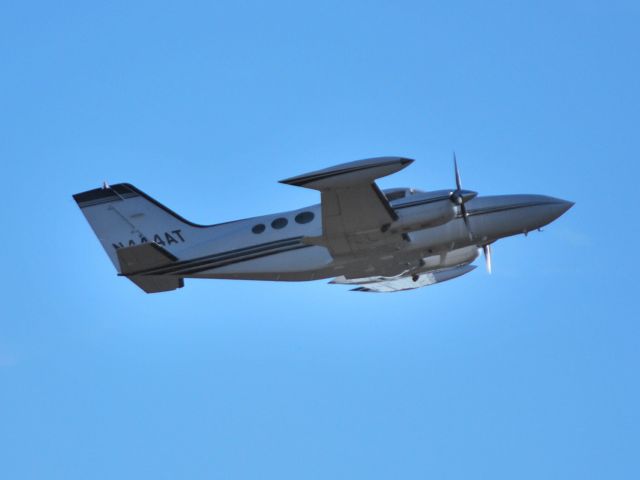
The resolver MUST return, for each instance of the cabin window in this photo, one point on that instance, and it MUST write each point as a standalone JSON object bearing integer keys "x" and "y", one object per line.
{"x": 279, "y": 223}
{"x": 304, "y": 217}
{"x": 259, "y": 228}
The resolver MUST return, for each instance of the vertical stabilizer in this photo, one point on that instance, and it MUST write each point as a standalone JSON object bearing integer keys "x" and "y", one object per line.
{"x": 123, "y": 216}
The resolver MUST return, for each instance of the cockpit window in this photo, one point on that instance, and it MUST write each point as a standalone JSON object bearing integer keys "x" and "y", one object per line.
{"x": 399, "y": 193}
{"x": 396, "y": 195}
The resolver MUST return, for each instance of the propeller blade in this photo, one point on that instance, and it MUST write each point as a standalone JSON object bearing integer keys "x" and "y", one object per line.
{"x": 465, "y": 218}
{"x": 455, "y": 167}
{"x": 487, "y": 257}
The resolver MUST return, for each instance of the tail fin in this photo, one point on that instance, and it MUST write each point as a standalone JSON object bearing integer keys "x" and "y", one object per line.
{"x": 123, "y": 216}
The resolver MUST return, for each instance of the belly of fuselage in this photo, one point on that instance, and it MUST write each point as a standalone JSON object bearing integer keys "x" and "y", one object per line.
{"x": 315, "y": 262}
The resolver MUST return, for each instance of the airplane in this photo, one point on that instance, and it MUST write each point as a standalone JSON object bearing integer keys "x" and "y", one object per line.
{"x": 359, "y": 235}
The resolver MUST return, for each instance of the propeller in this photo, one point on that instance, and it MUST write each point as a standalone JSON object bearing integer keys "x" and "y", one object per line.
{"x": 486, "y": 249}
{"x": 459, "y": 196}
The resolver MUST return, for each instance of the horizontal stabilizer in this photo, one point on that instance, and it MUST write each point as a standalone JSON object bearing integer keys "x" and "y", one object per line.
{"x": 143, "y": 257}
{"x": 139, "y": 258}
{"x": 157, "y": 283}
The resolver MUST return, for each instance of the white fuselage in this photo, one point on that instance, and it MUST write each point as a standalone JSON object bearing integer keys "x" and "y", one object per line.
{"x": 276, "y": 247}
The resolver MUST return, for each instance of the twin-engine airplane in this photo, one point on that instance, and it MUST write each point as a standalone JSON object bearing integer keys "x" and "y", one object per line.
{"x": 378, "y": 240}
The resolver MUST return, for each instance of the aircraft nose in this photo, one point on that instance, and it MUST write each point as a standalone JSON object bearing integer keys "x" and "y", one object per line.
{"x": 514, "y": 214}
{"x": 561, "y": 206}
{"x": 554, "y": 208}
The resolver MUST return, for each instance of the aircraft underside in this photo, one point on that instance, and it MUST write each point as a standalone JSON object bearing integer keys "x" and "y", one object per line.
{"x": 347, "y": 271}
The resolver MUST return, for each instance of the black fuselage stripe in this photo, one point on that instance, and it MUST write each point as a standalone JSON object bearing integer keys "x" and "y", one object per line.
{"x": 485, "y": 211}
{"x": 222, "y": 256}
{"x": 203, "y": 268}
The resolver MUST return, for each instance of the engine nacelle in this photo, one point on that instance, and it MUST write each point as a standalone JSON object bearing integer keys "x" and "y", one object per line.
{"x": 452, "y": 258}
{"x": 430, "y": 213}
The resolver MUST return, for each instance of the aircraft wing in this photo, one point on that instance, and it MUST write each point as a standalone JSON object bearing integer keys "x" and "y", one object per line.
{"x": 398, "y": 284}
{"x": 354, "y": 210}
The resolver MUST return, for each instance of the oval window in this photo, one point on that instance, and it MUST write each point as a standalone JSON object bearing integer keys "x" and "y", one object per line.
{"x": 259, "y": 228}
{"x": 279, "y": 223}
{"x": 304, "y": 217}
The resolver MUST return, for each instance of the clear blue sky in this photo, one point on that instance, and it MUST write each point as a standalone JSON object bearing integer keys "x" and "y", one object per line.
{"x": 530, "y": 373}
